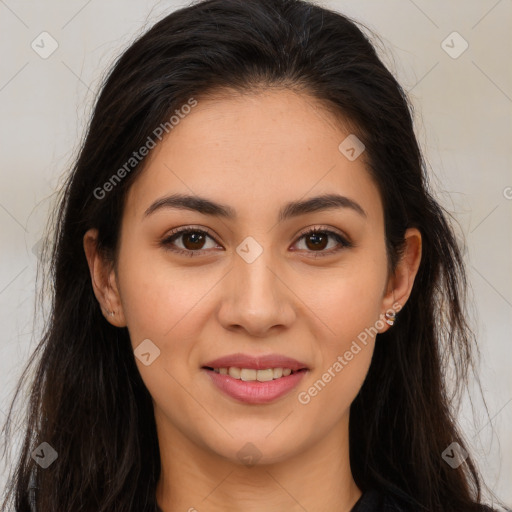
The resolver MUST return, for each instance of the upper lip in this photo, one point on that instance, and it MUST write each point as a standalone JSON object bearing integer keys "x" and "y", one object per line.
{"x": 256, "y": 362}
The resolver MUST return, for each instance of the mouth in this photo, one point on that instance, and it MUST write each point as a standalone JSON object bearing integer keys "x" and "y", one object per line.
{"x": 255, "y": 379}
{"x": 254, "y": 386}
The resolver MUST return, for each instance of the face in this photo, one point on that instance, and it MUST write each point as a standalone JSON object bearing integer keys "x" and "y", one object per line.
{"x": 251, "y": 285}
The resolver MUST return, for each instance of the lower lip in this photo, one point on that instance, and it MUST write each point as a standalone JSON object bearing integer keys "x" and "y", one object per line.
{"x": 255, "y": 392}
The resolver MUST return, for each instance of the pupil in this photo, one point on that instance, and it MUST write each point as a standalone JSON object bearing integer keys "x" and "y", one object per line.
{"x": 196, "y": 236}
{"x": 316, "y": 238}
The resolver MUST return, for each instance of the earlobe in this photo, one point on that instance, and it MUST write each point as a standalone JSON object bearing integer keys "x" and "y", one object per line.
{"x": 103, "y": 280}
{"x": 401, "y": 282}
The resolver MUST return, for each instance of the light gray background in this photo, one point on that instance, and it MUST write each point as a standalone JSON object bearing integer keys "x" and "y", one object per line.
{"x": 463, "y": 122}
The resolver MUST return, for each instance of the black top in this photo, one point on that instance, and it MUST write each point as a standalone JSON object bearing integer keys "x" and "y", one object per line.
{"x": 370, "y": 501}
{"x": 374, "y": 501}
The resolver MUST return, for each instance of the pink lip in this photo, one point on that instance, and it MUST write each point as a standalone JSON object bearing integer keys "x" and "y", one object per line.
{"x": 256, "y": 362}
{"x": 255, "y": 392}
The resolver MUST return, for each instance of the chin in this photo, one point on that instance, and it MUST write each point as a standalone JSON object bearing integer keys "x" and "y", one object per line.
{"x": 257, "y": 447}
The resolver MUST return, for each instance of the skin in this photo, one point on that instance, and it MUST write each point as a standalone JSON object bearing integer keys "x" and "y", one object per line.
{"x": 253, "y": 152}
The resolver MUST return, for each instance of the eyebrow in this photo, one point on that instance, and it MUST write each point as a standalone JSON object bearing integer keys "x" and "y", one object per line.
{"x": 289, "y": 210}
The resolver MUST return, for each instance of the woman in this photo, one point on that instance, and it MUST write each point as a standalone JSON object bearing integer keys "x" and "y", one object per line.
{"x": 255, "y": 293}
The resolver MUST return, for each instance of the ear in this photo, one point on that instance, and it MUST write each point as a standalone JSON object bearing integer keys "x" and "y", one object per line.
{"x": 400, "y": 283}
{"x": 104, "y": 281}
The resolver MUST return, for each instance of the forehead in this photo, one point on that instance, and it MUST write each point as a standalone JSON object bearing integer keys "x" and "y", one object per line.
{"x": 254, "y": 151}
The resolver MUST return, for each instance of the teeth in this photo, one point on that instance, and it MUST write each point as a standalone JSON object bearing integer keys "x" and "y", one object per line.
{"x": 264, "y": 375}
{"x": 234, "y": 372}
{"x": 246, "y": 374}
{"x": 250, "y": 374}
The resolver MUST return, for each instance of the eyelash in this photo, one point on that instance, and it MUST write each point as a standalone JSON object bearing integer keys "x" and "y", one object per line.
{"x": 167, "y": 241}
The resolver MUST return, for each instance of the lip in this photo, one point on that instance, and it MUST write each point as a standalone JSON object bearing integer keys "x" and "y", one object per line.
{"x": 255, "y": 392}
{"x": 256, "y": 362}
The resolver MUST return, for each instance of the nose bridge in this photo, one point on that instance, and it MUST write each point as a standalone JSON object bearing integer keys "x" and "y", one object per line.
{"x": 256, "y": 283}
{"x": 257, "y": 300}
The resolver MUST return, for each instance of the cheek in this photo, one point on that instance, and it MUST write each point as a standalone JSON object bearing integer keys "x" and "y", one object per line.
{"x": 348, "y": 304}
{"x": 158, "y": 300}
{"x": 167, "y": 306}
{"x": 351, "y": 313}
{"x": 348, "y": 299}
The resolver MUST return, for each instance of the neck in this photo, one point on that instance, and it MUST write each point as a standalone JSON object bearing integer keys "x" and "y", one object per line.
{"x": 194, "y": 478}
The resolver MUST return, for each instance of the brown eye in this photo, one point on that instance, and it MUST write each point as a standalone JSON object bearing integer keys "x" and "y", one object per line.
{"x": 317, "y": 240}
{"x": 192, "y": 241}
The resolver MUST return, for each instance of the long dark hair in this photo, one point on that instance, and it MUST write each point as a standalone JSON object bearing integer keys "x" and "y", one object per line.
{"x": 87, "y": 399}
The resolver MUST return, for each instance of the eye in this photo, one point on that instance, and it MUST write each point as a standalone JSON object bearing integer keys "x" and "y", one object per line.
{"x": 317, "y": 239}
{"x": 193, "y": 240}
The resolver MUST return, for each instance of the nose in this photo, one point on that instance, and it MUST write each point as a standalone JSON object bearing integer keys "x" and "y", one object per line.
{"x": 256, "y": 298}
